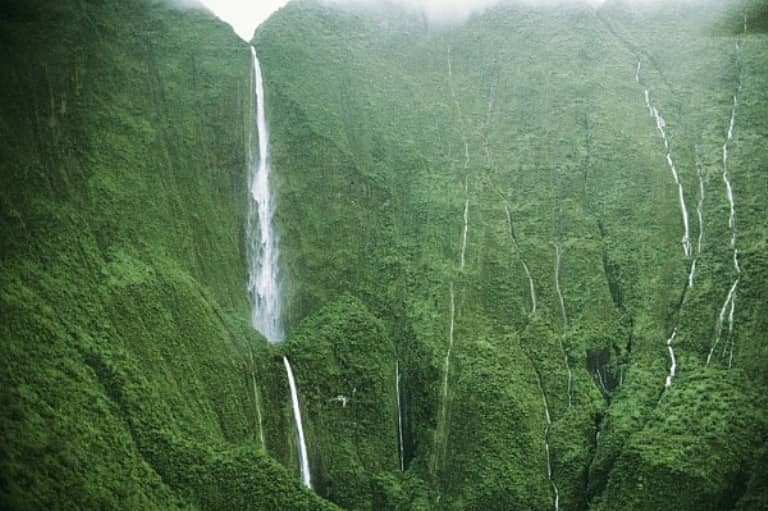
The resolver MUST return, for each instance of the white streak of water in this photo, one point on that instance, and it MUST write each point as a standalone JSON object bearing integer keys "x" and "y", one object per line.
{"x": 648, "y": 102}
{"x": 700, "y": 215}
{"x": 661, "y": 125}
{"x": 565, "y": 324}
{"x": 464, "y": 234}
{"x": 522, "y": 261}
{"x": 721, "y": 319}
{"x": 303, "y": 459}
{"x": 399, "y": 417}
{"x": 672, "y": 359}
{"x": 550, "y": 475}
{"x": 261, "y": 240}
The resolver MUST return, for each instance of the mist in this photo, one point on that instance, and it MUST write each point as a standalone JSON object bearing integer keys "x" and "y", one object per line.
{"x": 458, "y": 11}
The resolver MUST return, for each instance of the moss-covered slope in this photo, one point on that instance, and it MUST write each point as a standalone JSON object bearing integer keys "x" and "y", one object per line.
{"x": 489, "y": 205}
{"x": 128, "y": 363}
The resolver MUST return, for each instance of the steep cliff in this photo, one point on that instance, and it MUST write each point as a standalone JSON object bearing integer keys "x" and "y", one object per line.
{"x": 129, "y": 366}
{"x": 523, "y": 258}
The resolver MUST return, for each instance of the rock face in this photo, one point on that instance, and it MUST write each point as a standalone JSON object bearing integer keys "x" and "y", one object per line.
{"x": 492, "y": 212}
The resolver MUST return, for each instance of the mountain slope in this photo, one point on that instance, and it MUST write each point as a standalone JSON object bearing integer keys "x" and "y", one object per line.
{"x": 128, "y": 373}
{"x": 453, "y": 177}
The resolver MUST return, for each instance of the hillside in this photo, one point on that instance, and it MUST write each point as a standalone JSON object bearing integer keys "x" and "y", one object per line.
{"x": 523, "y": 258}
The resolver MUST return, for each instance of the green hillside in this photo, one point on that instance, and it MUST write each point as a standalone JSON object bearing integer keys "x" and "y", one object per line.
{"x": 487, "y": 206}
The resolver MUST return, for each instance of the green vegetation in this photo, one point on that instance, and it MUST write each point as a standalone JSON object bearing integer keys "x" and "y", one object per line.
{"x": 131, "y": 377}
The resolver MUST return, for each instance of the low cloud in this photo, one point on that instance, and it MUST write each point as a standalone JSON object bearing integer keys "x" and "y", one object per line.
{"x": 448, "y": 11}
{"x": 457, "y": 11}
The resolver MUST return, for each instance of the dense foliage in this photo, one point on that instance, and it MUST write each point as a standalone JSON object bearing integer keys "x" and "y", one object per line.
{"x": 487, "y": 205}
{"x": 128, "y": 360}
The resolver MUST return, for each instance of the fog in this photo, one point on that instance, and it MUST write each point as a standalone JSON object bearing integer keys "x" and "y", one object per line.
{"x": 449, "y": 11}
{"x": 245, "y": 15}
{"x": 457, "y": 11}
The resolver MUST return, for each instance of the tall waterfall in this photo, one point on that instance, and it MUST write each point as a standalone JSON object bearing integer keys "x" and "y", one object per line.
{"x": 261, "y": 240}
{"x": 303, "y": 459}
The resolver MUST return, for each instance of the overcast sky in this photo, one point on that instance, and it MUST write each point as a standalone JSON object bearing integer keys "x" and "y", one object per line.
{"x": 244, "y": 15}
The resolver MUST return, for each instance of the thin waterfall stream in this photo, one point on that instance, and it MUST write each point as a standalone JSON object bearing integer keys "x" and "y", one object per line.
{"x": 399, "y": 417}
{"x": 730, "y": 299}
{"x": 303, "y": 459}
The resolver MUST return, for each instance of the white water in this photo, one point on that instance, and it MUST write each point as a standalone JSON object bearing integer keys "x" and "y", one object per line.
{"x": 303, "y": 459}
{"x": 672, "y": 359}
{"x": 700, "y": 215}
{"x": 727, "y": 176}
{"x": 550, "y": 475}
{"x": 464, "y": 233}
{"x": 261, "y": 240}
{"x": 443, "y": 419}
{"x": 730, "y": 299}
{"x": 565, "y": 325}
{"x": 661, "y": 125}
{"x": 721, "y": 319}
{"x": 399, "y": 417}
{"x": 525, "y": 266}
{"x": 601, "y": 381}
{"x": 648, "y": 102}
{"x": 700, "y": 211}
{"x": 637, "y": 72}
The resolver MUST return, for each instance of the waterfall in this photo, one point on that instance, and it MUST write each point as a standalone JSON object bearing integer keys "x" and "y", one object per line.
{"x": 303, "y": 460}
{"x": 730, "y": 299}
{"x": 399, "y": 417}
{"x": 672, "y": 360}
{"x": 261, "y": 240}
{"x": 466, "y": 223}
{"x": 700, "y": 215}
{"x": 661, "y": 125}
{"x": 548, "y": 418}
{"x": 565, "y": 324}
{"x": 522, "y": 261}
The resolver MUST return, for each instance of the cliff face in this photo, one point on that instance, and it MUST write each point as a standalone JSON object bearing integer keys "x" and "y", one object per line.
{"x": 495, "y": 210}
{"x": 501, "y": 194}
{"x": 129, "y": 364}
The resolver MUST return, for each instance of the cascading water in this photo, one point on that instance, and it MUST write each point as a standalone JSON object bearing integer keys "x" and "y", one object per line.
{"x": 700, "y": 215}
{"x": 522, "y": 261}
{"x": 303, "y": 459}
{"x": 672, "y": 360}
{"x": 730, "y": 299}
{"x": 443, "y": 417}
{"x": 550, "y": 473}
{"x": 261, "y": 240}
{"x": 466, "y": 223}
{"x": 565, "y": 325}
{"x": 399, "y": 417}
{"x": 661, "y": 125}
{"x": 262, "y": 252}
